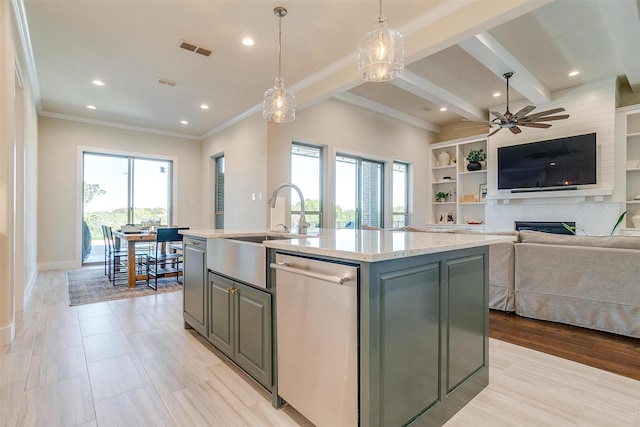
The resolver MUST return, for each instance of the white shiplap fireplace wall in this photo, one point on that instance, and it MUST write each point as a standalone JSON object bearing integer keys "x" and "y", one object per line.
{"x": 593, "y": 208}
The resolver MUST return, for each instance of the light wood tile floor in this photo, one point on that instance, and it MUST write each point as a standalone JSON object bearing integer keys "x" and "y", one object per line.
{"x": 131, "y": 363}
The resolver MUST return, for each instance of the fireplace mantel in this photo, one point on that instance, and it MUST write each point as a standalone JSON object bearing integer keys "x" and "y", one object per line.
{"x": 569, "y": 196}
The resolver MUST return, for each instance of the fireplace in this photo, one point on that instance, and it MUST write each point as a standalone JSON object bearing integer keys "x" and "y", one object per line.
{"x": 545, "y": 226}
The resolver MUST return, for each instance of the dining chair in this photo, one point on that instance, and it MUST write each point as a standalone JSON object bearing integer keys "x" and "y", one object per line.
{"x": 167, "y": 258}
{"x": 116, "y": 258}
{"x": 106, "y": 250}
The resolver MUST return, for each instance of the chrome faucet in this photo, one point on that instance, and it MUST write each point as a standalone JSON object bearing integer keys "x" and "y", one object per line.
{"x": 303, "y": 224}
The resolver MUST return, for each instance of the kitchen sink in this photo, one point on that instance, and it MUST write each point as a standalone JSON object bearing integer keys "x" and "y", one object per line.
{"x": 256, "y": 239}
{"x": 242, "y": 258}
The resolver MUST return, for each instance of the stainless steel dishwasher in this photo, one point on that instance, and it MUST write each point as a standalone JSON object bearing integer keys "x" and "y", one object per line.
{"x": 317, "y": 309}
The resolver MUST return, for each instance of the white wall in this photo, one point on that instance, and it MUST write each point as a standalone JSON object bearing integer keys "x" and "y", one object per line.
{"x": 258, "y": 156}
{"x": 60, "y": 177}
{"x": 244, "y": 146}
{"x": 591, "y": 108}
{"x": 18, "y": 177}
{"x": 7, "y": 114}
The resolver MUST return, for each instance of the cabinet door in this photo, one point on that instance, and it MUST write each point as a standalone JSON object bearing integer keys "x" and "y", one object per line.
{"x": 410, "y": 333}
{"x": 221, "y": 313}
{"x": 195, "y": 284}
{"x": 253, "y": 332}
{"x": 467, "y": 308}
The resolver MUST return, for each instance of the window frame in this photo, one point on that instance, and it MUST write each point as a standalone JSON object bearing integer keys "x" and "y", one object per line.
{"x": 218, "y": 214}
{"x": 295, "y": 214}
{"x": 359, "y": 161}
{"x": 405, "y": 213}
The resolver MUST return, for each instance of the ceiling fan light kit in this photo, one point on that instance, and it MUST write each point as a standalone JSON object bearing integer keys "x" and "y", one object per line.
{"x": 511, "y": 121}
{"x": 381, "y": 52}
{"x": 278, "y": 104}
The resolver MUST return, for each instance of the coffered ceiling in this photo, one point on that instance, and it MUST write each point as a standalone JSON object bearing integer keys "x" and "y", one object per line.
{"x": 457, "y": 52}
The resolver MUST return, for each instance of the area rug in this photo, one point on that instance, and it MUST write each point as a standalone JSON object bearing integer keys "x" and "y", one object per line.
{"x": 90, "y": 285}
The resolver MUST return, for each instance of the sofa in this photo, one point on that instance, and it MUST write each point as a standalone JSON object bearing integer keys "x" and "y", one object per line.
{"x": 501, "y": 265}
{"x": 587, "y": 281}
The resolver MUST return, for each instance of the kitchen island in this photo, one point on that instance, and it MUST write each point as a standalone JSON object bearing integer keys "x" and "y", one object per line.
{"x": 411, "y": 343}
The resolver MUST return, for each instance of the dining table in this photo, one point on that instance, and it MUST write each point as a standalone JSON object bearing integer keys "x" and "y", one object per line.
{"x": 132, "y": 240}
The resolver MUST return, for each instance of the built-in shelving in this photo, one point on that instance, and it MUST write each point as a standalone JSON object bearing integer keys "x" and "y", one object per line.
{"x": 632, "y": 178}
{"x": 460, "y": 183}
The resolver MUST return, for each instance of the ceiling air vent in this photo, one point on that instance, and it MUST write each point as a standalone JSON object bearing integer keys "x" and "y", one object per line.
{"x": 195, "y": 48}
{"x": 167, "y": 82}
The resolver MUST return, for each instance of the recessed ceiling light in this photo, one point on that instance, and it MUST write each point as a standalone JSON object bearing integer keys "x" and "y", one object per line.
{"x": 204, "y": 106}
{"x": 574, "y": 73}
{"x": 91, "y": 107}
{"x": 496, "y": 94}
{"x": 184, "y": 122}
{"x": 248, "y": 41}
{"x": 443, "y": 108}
{"x": 97, "y": 82}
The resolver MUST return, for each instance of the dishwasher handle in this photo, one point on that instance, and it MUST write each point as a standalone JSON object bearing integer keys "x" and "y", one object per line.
{"x": 283, "y": 266}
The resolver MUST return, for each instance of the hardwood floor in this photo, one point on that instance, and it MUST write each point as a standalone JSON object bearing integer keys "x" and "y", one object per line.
{"x": 131, "y": 363}
{"x": 610, "y": 352}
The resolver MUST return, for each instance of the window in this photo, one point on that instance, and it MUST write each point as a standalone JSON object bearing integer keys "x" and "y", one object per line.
{"x": 359, "y": 192}
{"x": 219, "y": 196}
{"x": 306, "y": 173}
{"x": 400, "y": 194}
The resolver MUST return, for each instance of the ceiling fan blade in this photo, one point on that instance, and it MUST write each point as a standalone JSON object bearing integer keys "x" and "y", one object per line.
{"x": 500, "y": 116}
{"x": 515, "y": 130}
{"x": 523, "y": 112}
{"x": 542, "y": 119}
{"x": 535, "y": 125}
{"x": 548, "y": 112}
{"x": 494, "y": 132}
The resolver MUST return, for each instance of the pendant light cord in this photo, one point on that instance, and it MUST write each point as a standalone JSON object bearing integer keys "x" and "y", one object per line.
{"x": 280, "y": 46}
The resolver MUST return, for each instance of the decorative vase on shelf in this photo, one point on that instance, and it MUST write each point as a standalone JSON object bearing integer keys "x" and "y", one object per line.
{"x": 474, "y": 166}
{"x": 636, "y": 220}
{"x": 444, "y": 158}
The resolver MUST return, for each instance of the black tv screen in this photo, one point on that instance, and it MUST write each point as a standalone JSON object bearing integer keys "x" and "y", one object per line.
{"x": 562, "y": 162}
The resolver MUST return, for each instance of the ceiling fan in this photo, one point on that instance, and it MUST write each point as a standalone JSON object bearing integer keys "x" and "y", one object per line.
{"x": 511, "y": 121}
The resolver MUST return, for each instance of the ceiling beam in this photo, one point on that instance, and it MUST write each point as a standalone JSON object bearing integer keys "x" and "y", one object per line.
{"x": 368, "y": 104}
{"x": 621, "y": 19}
{"x": 433, "y": 33}
{"x": 490, "y": 53}
{"x": 429, "y": 91}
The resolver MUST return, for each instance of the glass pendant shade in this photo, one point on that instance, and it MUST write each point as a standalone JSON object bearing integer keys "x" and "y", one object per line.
{"x": 381, "y": 53}
{"x": 278, "y": 104}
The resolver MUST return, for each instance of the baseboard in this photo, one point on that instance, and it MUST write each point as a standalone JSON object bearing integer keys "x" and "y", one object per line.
{"x": 7, "y": 334}
{"x": 58, "y": 265}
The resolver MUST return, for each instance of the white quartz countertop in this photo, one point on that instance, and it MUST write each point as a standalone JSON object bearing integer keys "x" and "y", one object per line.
{"x": 225, "y": 234}
{"x": 365, "y": 245}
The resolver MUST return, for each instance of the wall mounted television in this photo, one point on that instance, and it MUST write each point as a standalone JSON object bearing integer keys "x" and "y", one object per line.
{"x": 554, "y": 164}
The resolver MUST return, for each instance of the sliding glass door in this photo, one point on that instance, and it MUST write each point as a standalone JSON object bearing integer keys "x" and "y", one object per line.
{"x": 121, "y": 190}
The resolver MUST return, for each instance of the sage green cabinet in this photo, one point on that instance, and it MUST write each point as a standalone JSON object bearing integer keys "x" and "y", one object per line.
{"x": 240, "y": 325}
{"x": 410, "y": 330}
{"x": 221, "y": 292}
{"x": 195, "y": 284}
{"x": 424, "y": 335}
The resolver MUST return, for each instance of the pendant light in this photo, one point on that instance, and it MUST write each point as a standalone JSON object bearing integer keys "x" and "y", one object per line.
{"x": 381, "y": 53}
{"x": 278, "y": 104}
